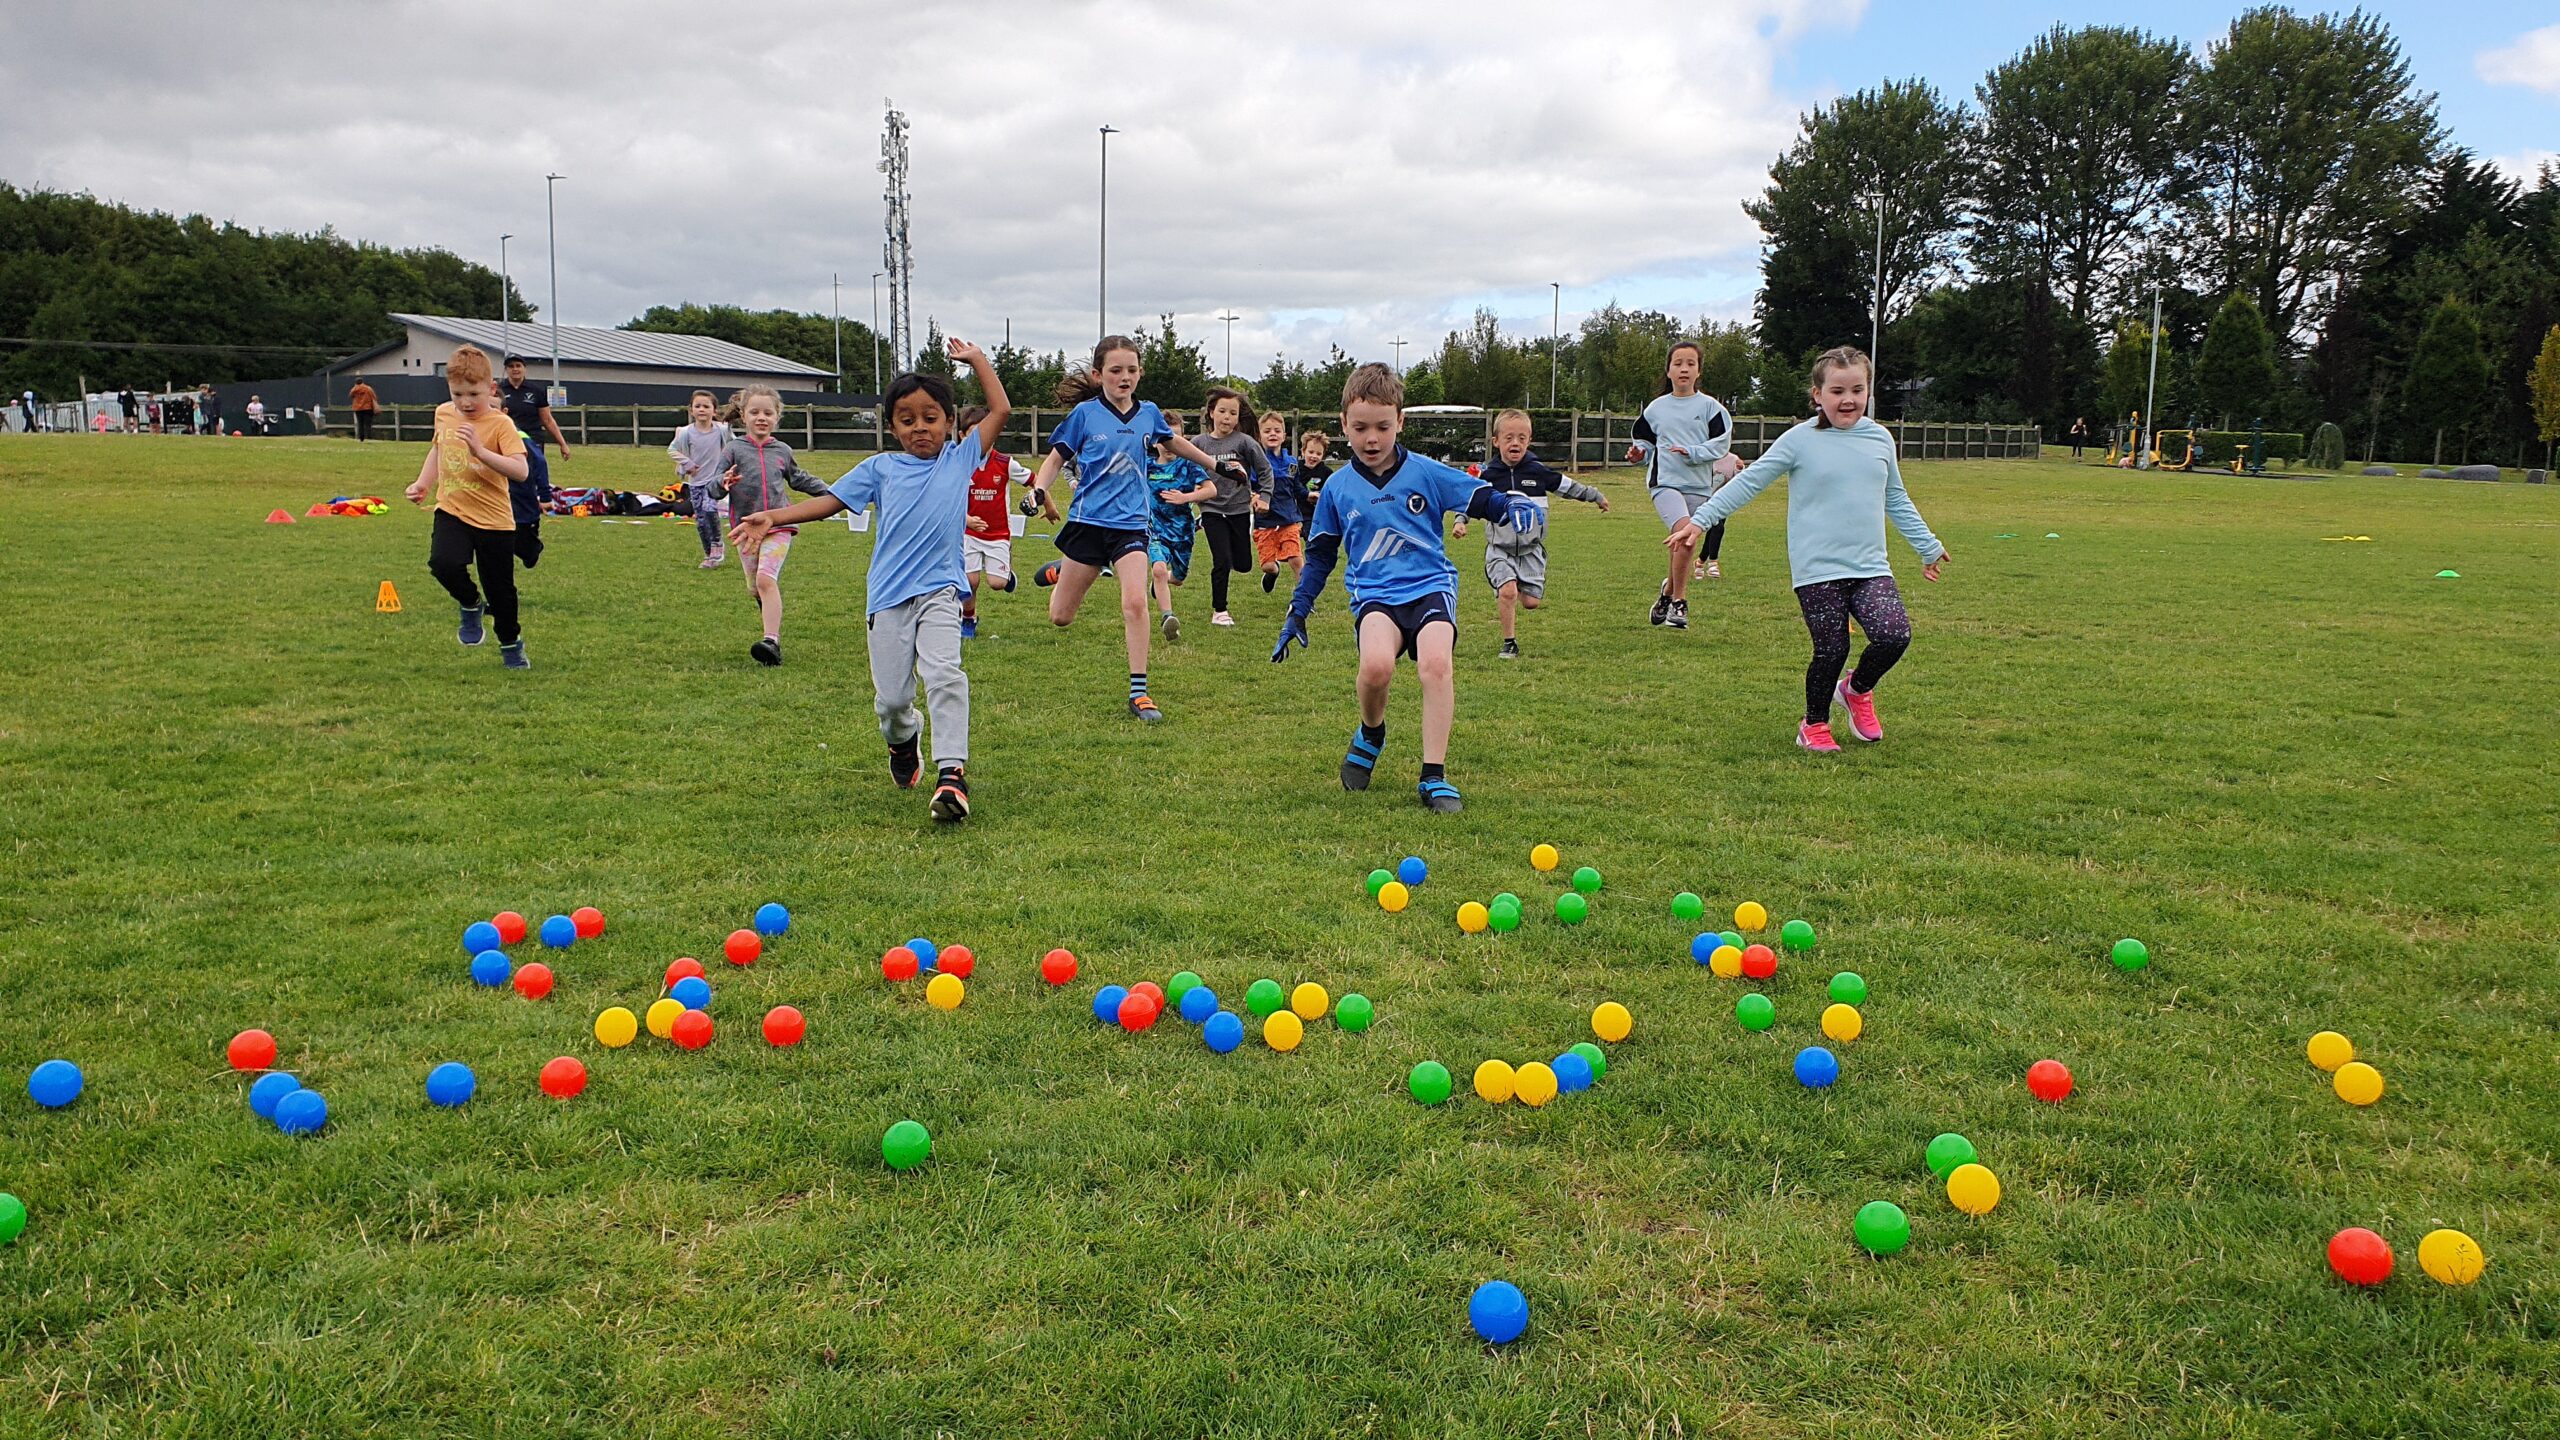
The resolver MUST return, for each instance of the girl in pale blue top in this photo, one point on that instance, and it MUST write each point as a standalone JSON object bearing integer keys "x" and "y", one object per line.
{"x": 1843, "y": 484}
{"x": 1685, "y": 439}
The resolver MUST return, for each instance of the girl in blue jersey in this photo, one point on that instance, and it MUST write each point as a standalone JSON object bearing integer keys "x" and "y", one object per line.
{"x": 1109, "y": 434}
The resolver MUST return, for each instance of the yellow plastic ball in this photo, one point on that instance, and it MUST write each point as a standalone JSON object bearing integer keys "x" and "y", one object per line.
{"x": 2450, "y": 1257}
{"x": 1494, "y": 1080}
{"x": 2357, "y": 1083}
{"x": 617, "y": 1027}
{"x": 1611, "y": 1022}
{"x": 1284, "y": 1030}
{"x": 1726, "y": 963}
{"x": 1473, "y": 917}
{"x": 1544, "y": 857}
{"x": 1973, "y": 1189}
{"x": 1534, "y": 1083}
{"x": 1393, "y": 897}
{"x": 1750, "y": 917}
{"x": 1310, "y": 1001}
{"x": 662, "y": 1017}
{"x": 2329, "y": 1050}
{"x": 945, "y": 992}
{"x": 1842, "y": 1022}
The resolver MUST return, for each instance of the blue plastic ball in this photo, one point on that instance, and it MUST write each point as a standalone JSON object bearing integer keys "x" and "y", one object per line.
{"x": 1224, "y": 1032}
{"x": 55, "y": 1083}
{"x": 559, "y": 932}
{"x": 1703, "y": 948}
{"x": 1572, "y": 1072}
{"x": 491, "y": 967}
{"x": 1199, "y": 1003}
{"x": 301, "y": 1111}
{"x": 450, "y": 1083}
{"x": 692, "y": 992}
{"x": 925, "y": 950}
{"x": 1106, "y": 1003}
{"x": 1498, "y": 1311}
{"x": 480, "y": 935}
{"x": 271, "y": 1087}
{"x": 772, "y": 919}
{"x": 1816, "y": 1067}
{"x": 1412, "y": 871}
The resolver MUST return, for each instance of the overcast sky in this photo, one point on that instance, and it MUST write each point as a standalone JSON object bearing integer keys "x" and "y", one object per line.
{"x": 1331, "y": 172}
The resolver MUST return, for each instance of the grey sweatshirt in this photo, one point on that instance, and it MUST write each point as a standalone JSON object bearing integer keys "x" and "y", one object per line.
{"x": 765, "y": 476}
{"x": 694, "y": 451}
{"x": 1235, "y": 497}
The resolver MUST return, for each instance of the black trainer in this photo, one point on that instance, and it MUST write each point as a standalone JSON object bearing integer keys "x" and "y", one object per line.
{"x": 951, "y": 795}
{"x": 905, "y": 764}
{"x": 1677, "y": 617}
{"x": 1661, "y": 604}
{"x": 1270, "y": 581}
{"x": 1510, "y": 649}
{"x": 768, "y": 651}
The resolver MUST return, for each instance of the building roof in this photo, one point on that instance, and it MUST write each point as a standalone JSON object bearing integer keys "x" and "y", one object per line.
{"x": 591, "y": 345}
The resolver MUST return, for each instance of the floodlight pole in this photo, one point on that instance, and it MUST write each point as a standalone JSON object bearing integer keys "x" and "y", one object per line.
{"x": 1875, "y": 323}
{"x": 506, "y": 336}
{"x": 1398, "y": 342}
{"x": 836, "y": 283}
{"x": 1231, "y": 318}
{"x": 1555, "y": 333}
{"x": 2151, "y": 396}
{"x": 875, "y": 330}
{"x": 551, "y": 223}
{"x": 1102, "y": 235}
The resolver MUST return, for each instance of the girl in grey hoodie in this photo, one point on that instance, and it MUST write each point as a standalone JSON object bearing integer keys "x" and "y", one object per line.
{"x": 756, "y": 473}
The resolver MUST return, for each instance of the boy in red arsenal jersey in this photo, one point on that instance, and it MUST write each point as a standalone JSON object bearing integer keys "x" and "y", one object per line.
{"x": 987, "y": 550}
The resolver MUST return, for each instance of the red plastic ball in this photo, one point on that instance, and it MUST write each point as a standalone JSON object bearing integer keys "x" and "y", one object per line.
{"x": 564, "y": 1077}
{"x": 742, "y": 947}
{"x": 692, "y": 1030}
{"x": 2359, "y": 1256}
{"x": 252, "y": 1050}
{"x": 533, "y": 980}
{"x": 899, "y": 963}
{"x": 1759, "y": 961}
{"x": 588, "y": 919}
{"x": 1137, "y": 1012}
{"x": 681, "y": 967}
{"x": 1058, "y": 967}
{"x": 783, "y": 1025}
{"x": 957, "y": 960}
{"x": 511, "y": 926}
{"x": 2049, "y": 1080}
{"x": 1151, "y": 990}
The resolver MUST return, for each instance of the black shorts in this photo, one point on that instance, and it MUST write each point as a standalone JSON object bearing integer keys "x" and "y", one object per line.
{"x": 1410, "y": 617}
{"x": 1099, "y": 546}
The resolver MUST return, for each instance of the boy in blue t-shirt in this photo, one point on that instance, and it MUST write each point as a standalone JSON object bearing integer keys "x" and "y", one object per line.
{"x": 917, "y": 579}
{"x": 1385, "y": 509}
{"x": 1174, "y": 485}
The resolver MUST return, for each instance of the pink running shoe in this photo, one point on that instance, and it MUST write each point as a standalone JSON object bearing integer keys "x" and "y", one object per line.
{"x": 1817, "y": 738}
{"x": 1862, "y": 713}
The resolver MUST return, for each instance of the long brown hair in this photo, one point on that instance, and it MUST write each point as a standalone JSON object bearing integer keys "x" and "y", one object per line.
{"x": 1083, "y": 384}
{"x": 1246, "y": 421}
{"x": 1677, "y": 346}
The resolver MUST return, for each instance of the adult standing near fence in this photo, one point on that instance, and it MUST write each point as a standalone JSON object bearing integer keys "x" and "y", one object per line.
{"x": 131, "y": 405}
{"x": 361, "y": 402}
{"x": 530, "y": 408}
{"x": 2079, "y": 435}
{"x": 27, "y": 410}
{"x": 209, "y": 409}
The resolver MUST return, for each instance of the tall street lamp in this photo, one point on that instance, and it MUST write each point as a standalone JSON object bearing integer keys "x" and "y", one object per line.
{"x": 506, "y": 336}
{"x": 1555, "y": 336}
{"x": 875, "y": 330}
{"x": 1231, "y": 318}
{"x": 551, "y": 222}
{"x": 1102, "y": 267}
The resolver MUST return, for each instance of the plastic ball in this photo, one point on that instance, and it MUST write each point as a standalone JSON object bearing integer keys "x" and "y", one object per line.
{"x": 1264, "y": 996}
{"x": 1611, "y": 1022}
{"x": 1473, "y": 917}
{"x": 491, "y": 967}
{"x": 2049, "y": 1081}
{"x": 1505, "y": 898}
{"x": 251, "y": 1050}
{"x": 1973, "y": 1189}
{"x": 2329, "y": 1050}
{"x": 1733, "y": 938}
{"x": 1534, "y": 1084}
{"x": 559, "y": 932}
{"x": 481, "y": 935}
{"x": 511, "y": 928}
{"x": 1505, "y": 918}
{"x": 301, "y": 1112}
{"x": 1379, "y": 880}
{"x": 451, "y": 1083}
{"x": 1726, "y": 962}
{"x": 1849, "y": 988}
{"x": 927, "y": 953}
{"x": 2359, "y": 1256}
{"x": 616, "y": 1027}
{"x": 1310, "y": 1001}
{"x": 533, "y": 980}
{"x": 1755, "y": 1011}
{"x": 1137, "y": 1011}
{"x": 564, "y": 1076}
{"x": 2451, "y": 1258}
{"x": 957, "y": 960}
{"x": 946, "y": 990}
{"x": 1816, "y": 1068}
{"x": 1151, "y": 990}
{"x": 1881, "y": 1227}
{"x": 1412, "y": 871}
{"x": 1702, "y": 948}
{"x": 1222, "y": 1032}
{"x": 1544, "y": 857}
{"x": 1393, "y": 897}
{"x": 1949, "y": 1153}
{"x": 1587, "y": 880}
{"x": 13, "y": 1217}
{"x": 898, "y": 963}
{"x": 2130, "y": 955}
{"x": 1428, "y": 1082}
{"x": 692, "y": 992}
{"x": 773, "y": 918}
{"x": 1283, "y": 1031}
{"x": 1106, "y": 1003}
{"x": 1353, "y": 1012}
{"x": 692, "y": 1030}
{"x": 1796, "y": 935}
{"x": 1498, "y": 1311}
{"x": 1598, "y": 1059}
{"x": 906, "y": 1145}
{"x": 55, "y": 1083}
{"x": 784, "y": 1025}
{"x": 1571, "y": 908}
{"x": 1181, "y": 985}
{"x": 1686, "y": 906}
{"x": 1494, "y": 1081}
{"x": 2357, "y": 1083}
{"x": 662, "y": 1017}
{"x": 682, "y": 966}
{"x": 1058, "y": 966}
{"x": 588, "y": 921}
{"x": 1197, "y": 1004}
{"x": 1751, "y": 917}
{"x": 1759, "y": 962}
{"x": 1572, "y": 1072}
{"x": 1842, "y": 1022}
{"x": 271, "y": 1087}
{"x": 742, "y": 947}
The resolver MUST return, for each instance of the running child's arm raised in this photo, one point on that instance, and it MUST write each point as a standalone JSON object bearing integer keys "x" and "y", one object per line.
{"x": 999, "y": 405}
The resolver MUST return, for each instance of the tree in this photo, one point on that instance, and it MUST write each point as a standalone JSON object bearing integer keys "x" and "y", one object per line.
{"x": 1729, "y": 360}
{"x": 2236, "y": 373}
{"x": 2002, "y": 350}
{"x": 2545, "y": 385}
{"x": 2126, "y": 387}
{"x": 1177, "y": 374}
{"x": 2449, "y": 376}
{"x": 1422, "y": 385}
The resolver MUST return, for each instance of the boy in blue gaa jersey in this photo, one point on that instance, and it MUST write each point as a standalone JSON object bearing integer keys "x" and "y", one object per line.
{"x": 1174, "y": 486}
{"x": 918, "y": 577}
{"x": 1384, "y": 510}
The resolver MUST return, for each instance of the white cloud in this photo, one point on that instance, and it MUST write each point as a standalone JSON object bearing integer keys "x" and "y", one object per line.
{"x": 2531, "y": 60}
{"x": 2526, "y": 167}
{"x": 1335, "y": 171}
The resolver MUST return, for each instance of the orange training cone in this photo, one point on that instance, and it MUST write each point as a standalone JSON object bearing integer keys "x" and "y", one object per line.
{"x": 278, "y": 517}
{"x": 387, "y": 600}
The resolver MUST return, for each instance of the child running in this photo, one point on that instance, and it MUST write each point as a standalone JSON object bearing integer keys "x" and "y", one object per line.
{"x": 1108, "y": 435}
{"x": 912, "y": 593}
{"x": 1687, "y": 439}
{"x": 987, "y": 550}
{"x": 1242, "y": 474}
{"x": 1174, "y": 485}
{"x": 757, "y": 472}
{"x": 1843, "y": 484}
{"x": 1385, "y": 511}
{"x": 1279, "y": 512}
{"x": 1515, "y": 551}
{"x": 695, "y": 449}
{"x": 476, "y": 454}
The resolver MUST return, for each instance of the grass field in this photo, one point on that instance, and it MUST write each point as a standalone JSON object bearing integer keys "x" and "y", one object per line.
{"x": 2317, "y": 780}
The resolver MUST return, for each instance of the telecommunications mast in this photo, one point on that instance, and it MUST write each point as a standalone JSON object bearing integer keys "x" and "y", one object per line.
{"x": 895, "y": 256}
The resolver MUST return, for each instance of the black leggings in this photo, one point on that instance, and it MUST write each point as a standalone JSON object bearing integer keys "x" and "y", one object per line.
{"x": 1230, "y": 540}
{"x": 1828, "y": 607}
{"x": 456, "y": 548}
{"x": 1714, "y": 545}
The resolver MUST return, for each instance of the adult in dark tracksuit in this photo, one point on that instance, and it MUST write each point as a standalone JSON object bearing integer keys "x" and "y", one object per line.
{"x": 529, "y": 406}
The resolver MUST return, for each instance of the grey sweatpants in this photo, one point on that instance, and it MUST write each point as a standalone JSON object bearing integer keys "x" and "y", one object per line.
{"x": 915, "y": 640}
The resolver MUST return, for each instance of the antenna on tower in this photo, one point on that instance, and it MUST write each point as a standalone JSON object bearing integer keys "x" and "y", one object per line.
{"x": 897, "y": 257}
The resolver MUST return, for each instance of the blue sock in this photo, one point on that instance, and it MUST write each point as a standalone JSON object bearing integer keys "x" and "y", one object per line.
{"x": 1137, "y": 683}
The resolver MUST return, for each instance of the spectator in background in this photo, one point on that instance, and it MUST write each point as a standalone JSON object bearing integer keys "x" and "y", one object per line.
{"x": 209, "y": 410}
{"x": 131, "y": 405}
{"x": 2079, "y": 435}
{"x": 362, "y": 402}
{"x": 27, "y": 410}
{"x": 256, "y": 411}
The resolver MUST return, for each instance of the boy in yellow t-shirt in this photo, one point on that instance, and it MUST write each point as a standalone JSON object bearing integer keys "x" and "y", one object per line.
{"x": 475, "y": 453}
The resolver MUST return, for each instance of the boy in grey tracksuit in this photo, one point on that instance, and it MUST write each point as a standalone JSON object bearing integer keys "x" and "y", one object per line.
{"x": 694, "y": 448}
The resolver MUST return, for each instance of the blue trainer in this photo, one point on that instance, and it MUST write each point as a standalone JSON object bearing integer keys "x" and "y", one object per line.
{"x": 512, "y": 656}
{"x": 1441, "y": 796}
{"x": 968, "y": 627}
{"x": 470, "y": 633}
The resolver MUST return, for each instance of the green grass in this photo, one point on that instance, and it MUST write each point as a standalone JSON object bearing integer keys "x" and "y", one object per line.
{"x": 2318, "y": 781}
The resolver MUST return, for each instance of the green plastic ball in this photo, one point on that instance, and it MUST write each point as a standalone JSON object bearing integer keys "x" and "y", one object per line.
{"x": 1687, "y": 906}
{"x": 1882, "y": 1227}
{"x": 1264, "y": 997}
{"x": 1572, "y": 908}
{"x": 13, "y": 1217}
{"x": 1949, "y": 1151}
{"x": 1506, "y": 898}
{"x": 1378, "y": 881}
{"x": 1755, "y": 1011}
{"x": 1796, "y": 935}
{"x": 2131, "y": 955}
{"x": 1354, "y": 1012}
{"x": 1428, "y": 1081}
{"x": 1506, "y": 918}
{"x": 1732, "y": 938}
{"x": 1182, "y": 983}
{"x": 906, "y": 1145}
{"x": 1849, "y": 988}
{"x": 1587, "y": 880}
{"x": 1593, "y": 1053}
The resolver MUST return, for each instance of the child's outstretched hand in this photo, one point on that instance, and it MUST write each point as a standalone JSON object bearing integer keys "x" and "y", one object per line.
{"x": 1293, "y": 628}
{"x": 417, "y": 491}
{"x": 752, "y": 530}
{"x": 1930, "y": 570}
{"x": 964, "y": 352}
{"x": 978, "y": 523}
{"x": 1459, "y": 530}
{"x": 1603, "y": 503}
{"x": 1684, "y": 533}
{"x": 1728, "y": 465}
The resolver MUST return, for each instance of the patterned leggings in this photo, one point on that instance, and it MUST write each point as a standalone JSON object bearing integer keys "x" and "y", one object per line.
{"x": 1828, "y": 607}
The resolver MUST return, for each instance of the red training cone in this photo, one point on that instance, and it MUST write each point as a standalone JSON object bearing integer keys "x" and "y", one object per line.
{"x": 278, "y": 517}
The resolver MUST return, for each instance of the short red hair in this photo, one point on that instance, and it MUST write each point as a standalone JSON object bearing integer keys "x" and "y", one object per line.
{"x": 470, "y": 365}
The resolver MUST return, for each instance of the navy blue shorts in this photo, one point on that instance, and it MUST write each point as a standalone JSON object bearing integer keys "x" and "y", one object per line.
{"x": 1410, "y": 617}
{"x": 1099, "y": 546}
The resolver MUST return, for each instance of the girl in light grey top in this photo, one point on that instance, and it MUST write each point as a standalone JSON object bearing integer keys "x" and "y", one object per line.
{"x": 695, "y": 449}
{"x": 1685, "y": 439}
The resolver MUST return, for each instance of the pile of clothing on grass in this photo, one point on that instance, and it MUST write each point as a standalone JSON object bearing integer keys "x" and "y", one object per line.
{"x": 349, "y": 505}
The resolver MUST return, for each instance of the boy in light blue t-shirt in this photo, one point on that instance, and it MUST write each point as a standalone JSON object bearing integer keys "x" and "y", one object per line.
{"x": 917, "y": 578}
